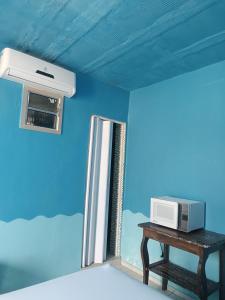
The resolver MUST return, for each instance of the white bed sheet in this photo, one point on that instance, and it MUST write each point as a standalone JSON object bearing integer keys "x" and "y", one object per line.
{"x": 104, "y": 282}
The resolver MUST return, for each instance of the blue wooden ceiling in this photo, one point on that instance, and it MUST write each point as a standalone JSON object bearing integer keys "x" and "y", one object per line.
{"x": 126, "y": 43}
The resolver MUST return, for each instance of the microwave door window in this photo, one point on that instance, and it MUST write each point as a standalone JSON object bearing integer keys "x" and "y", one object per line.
{"x": 167, "y": 214}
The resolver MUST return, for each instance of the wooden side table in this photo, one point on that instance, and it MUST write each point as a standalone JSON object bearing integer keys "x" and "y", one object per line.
{"x": 200, "y": 242}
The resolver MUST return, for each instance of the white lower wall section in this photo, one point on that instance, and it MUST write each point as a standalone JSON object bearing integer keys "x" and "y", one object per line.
{"x": 40, "y": 249}
{"x": 131, "y": 239}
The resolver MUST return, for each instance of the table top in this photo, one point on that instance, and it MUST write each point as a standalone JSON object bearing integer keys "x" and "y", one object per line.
{"x": 201, "y": 238}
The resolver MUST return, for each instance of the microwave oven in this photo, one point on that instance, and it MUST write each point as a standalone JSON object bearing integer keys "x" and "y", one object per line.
{"x": 181, "y": 214}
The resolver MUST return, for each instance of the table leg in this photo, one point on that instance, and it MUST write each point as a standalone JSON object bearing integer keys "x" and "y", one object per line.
{"x": 203, "y": 293}
{"x": 145, "y": 259}
{"x": 166, "y": 259}
{"x": 222, "y": 274}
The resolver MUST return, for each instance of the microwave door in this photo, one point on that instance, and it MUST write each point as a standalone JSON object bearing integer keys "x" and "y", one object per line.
{"x": 165, "y": 213}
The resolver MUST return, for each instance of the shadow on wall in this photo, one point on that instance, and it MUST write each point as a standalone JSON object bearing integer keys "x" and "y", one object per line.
{"x": 39, "y": 249}
{"x": 19, "y": 277}
{"x": 84, "y": 81}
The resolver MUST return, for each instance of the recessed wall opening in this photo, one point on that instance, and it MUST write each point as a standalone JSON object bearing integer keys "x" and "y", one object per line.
{"x": 42, "y": 110}
{"x": 104, "y": 191}
{"x": 115, "y": 199}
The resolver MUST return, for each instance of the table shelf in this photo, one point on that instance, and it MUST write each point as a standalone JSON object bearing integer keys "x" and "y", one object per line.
{"x": 181, "y": 276}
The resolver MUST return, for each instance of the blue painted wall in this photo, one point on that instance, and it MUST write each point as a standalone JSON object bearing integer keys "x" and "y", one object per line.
{"x": 42, "y": 183}
{"x": 44, "y": 174}
{"x": 176, "y": 146}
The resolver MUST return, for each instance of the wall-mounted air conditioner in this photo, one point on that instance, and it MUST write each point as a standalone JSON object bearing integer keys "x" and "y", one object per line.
{"x": 32, "y": 71}
{"x": 45, "y": 86}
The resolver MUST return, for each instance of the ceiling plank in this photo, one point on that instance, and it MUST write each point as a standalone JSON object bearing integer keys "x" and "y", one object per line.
{"x": 29, "y": 37}
{"x": 151, "y": 33}
{"x": 79, "y": 27}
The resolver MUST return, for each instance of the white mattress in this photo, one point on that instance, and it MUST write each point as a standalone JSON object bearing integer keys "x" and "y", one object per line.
{"x": 97, "y": 283}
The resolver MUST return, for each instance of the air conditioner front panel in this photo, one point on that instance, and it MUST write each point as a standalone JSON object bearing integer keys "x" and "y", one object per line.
{"x": 21, "y": 67}
{"x": 36, "y": 80}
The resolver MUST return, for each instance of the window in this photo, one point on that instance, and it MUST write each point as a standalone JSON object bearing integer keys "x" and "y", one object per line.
{"x": 41, "y": 110}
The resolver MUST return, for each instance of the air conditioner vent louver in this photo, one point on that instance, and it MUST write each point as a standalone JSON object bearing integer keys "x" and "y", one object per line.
{"x": 45, "y": 74}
